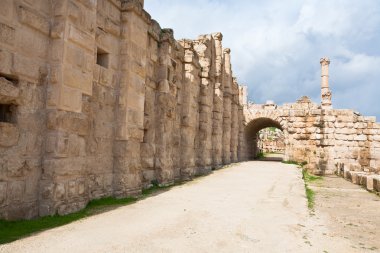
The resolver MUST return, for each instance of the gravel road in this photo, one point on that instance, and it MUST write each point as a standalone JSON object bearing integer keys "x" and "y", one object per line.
{"x": 249, "y": 207}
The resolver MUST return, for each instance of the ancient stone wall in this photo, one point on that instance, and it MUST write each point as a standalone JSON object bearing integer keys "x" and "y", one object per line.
{"x": 97, "y": 100}
{"x": 328, "y": 140}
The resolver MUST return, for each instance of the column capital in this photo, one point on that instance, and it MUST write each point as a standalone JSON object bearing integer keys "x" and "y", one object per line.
{"x": 325, "y": 61}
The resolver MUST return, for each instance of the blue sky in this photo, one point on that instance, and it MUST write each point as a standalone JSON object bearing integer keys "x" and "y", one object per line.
{"x": 276, "y": 45}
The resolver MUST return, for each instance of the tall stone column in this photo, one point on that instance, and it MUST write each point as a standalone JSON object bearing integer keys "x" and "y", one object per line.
{"x": 204, "y": 48}
{"x": 217, "y": 127}
{"x": 227, "y": 105}
{"x": 325, "y": 90}
{"x": 189, "y": 109}
{"x": 131, "y": 99}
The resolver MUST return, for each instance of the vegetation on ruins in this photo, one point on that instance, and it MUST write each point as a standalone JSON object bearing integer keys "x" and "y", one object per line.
{"x": 310, "y": 194}
{"x": 13, "y": 230}
{"x": 308, "y": 178}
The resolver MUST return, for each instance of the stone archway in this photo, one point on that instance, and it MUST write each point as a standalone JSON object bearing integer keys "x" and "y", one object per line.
{"x": 253, "y": 127}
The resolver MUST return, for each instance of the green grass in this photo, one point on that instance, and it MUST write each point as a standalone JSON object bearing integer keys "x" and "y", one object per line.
{"x": 14, "y": 230}
{"x": 291, "y": 162}
{"x": 310, "y": 194}
{"x": 308, "y": 178}
{"x": 155, "y": 188}
{"x": 295, "y": 163}
{"x": 260, "y": 155}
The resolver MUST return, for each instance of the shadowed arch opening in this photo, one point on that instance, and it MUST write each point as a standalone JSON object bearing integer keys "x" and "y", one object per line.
{"x": 251, "y": 134}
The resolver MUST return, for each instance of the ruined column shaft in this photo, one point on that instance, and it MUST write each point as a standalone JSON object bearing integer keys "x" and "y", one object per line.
{"x": 189, "y": 110}
{"x": 217, "y": 129}
{"x": 227, "y": 105}
{"x": 130, "y": 107}
{"x": 204, "y": 48}
{"x": 325, "y": 90}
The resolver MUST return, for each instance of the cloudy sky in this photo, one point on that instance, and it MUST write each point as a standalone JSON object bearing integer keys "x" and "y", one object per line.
{"x": 276, "y": 45}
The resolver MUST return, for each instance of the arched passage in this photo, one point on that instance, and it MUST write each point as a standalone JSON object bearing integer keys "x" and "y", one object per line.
{"x": 251, "y": 130}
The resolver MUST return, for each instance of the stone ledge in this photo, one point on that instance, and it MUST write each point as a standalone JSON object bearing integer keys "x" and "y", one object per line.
{"x": 8, "y": 92}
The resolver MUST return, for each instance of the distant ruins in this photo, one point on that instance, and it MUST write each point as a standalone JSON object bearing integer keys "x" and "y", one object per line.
{"x": 271, "y": 140}
{"x": 97, "y": 100}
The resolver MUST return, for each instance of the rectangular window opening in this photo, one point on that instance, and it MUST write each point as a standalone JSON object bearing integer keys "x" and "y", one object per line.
{"x": 6, "y": 113}
{"x": 102, "y": 58}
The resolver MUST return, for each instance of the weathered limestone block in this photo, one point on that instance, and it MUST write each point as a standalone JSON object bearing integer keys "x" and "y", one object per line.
{"x": 9, "y": 134}
{"x": 376, "y": 183}
{"x": 3, "y": 193}
{"x": 7, "y": 34}
{"x": 9, "y": 93}
{"x": 30, "y": 18}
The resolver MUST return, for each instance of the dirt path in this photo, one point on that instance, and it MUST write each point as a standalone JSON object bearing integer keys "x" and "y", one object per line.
{"x": 352, "y": 213}
{"x": 250, "y": 207}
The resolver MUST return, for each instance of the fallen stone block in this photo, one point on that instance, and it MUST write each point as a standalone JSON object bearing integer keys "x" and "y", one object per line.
{"x": 369, "y": 183}
{"x": 355, "y": 177}
{"x": 376, "y": 183}
{"x": 362, "y": 179}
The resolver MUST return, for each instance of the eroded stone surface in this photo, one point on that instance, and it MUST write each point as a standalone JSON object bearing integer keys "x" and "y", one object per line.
{"x": 105, "y": 103}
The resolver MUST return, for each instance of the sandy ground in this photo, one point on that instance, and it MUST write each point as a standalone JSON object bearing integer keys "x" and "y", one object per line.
{"x": 249, "y": 207}
{"x": 352, "y": 213}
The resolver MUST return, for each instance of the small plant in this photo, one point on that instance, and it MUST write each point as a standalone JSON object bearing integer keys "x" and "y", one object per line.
{"x": 291, "y": 162}
{"x": 260, "y": 155}
{"x": 13, "y": 230}
{"x": 154, "y": 188}
{"x": 310, "y": 194}
{"x": 309, "y": 177}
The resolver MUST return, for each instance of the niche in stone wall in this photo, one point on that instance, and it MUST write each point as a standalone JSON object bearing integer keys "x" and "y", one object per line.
{"x": 102, "y": 58}
{"x": 6, "y": 113}
{"x": 9, "y": 97}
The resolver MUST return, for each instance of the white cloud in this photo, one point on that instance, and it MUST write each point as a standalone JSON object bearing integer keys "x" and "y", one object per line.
{"x": 276, "y": 45}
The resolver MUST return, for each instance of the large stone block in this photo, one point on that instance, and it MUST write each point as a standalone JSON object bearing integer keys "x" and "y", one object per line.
{"x": 376, "y": 183}
{"x": 83, "y": 39}
{"x": 30, "y": 18}
{"x": 70, "y": 99}
{"x": 3, "y": 193}
{"x": 26, "y": 67}
{"x": 7, "y": 34}
{"x": 78, "y": 79}
{"x": 9, "y": 93}
{"x": 6, "y": 62}
{"x": 9, "y": 134}
{"x": 16, "y": 191}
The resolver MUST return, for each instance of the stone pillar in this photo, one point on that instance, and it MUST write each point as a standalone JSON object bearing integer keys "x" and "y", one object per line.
{"x": 234, "y": 121}
{"x": 204, "y": 48}
{"x": 227, "y": 95}
{"x": 189, "y": 109}
{"x": 71, "y": 59}
{"x": 325, "y": 90}
{"x": 148, "y": 147}
{"x": 165, "y": 109}
{"x": 130, "y": 107}
{"x": 217, "y": 129}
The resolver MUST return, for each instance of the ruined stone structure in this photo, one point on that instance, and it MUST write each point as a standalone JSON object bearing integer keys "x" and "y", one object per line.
{"x": 97, "y": 100}
{"x": 271, "y": 140}
{"x": 328, "y": 140}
